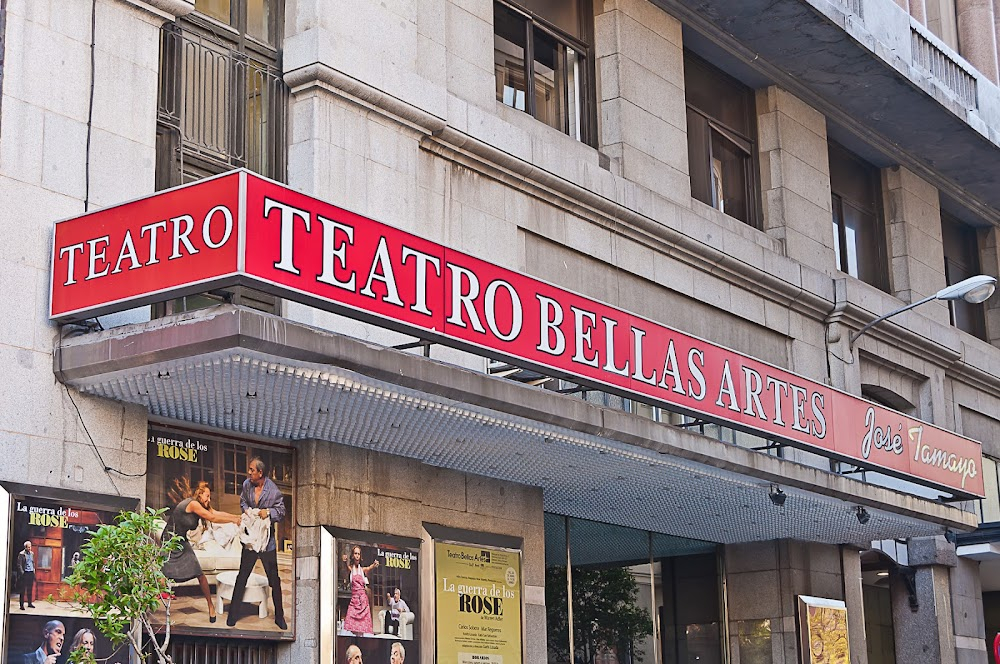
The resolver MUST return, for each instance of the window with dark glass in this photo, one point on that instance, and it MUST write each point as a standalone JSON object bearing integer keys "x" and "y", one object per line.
{"x": 961, "y": 261}
{"x": 222, "y": 104}
{"x": 858, "y": 232}
{"x": 722, "y": 131}
{"x": 542, "y": 62}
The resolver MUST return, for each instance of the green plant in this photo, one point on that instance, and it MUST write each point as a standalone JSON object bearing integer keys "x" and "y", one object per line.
{"x": 119, "y": 581}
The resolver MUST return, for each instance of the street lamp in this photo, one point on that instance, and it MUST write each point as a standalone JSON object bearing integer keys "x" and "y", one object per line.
{"x": 973, "y": 290}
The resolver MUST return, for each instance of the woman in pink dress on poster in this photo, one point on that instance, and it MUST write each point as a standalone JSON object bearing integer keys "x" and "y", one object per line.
{"x": 359, "y": 613}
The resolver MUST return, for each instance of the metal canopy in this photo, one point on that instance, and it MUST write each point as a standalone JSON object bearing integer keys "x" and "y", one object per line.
{"x": 242, "y": 371}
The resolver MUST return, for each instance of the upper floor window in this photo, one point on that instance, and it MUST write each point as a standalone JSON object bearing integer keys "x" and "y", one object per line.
{"x": 722, "y": 135}
{"x": 961, "y": 261}
{"x": 542, "y": 62}
{"x": 222, "y": 101}
{"x": 222, "y": 104}
{"x": 858, "y": 231}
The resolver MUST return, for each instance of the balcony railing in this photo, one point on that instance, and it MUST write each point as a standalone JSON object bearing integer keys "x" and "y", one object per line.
{"x": 221, "y": 106}
{"x": 948, "y": 72}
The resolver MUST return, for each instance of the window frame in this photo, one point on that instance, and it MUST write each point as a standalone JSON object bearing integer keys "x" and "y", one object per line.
{"x": 588, "y": 84}
{"x": 877, "y": 210}
{"x": 733, "y": 136}
{"x": 968, "y": 237}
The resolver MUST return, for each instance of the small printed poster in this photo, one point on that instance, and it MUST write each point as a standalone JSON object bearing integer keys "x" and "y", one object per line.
{"x": 377, "y": 600}
{"x": 478, "y": 593}
{"x": 43, "y": 625}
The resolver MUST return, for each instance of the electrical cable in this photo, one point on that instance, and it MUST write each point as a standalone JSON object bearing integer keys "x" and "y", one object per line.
{"x": 90, "y": 108}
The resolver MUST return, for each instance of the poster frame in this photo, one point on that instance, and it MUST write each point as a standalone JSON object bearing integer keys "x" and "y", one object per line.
{"x": 11, "y": 491}
{"x": 329, "y": 577}
{"x": 804, "y": 603}
{"x": 488, "y": 541}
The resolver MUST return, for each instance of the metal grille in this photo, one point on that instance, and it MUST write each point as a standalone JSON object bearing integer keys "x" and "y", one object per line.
{"x": 190, "y": 650}
{"x": 945, "y": 69}
{"x": 222, "y": 107}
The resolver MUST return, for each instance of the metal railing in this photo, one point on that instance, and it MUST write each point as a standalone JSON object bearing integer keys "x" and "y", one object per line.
{"x": 192, "y": 650}
{"x": 944, "y": 68}
{"x": 223, "y": 106}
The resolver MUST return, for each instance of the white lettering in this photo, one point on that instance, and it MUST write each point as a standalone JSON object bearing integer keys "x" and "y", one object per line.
{"x": 582, "y": 336}
{"x": 181, "y": 237}
{"x": 422, "y": 259}
{"x": 551, "y": 339}
{"x": 516, "y": 313}
{"x": 206, "y": 227}
{"x": 127, "y": 251}
{"x": 386, "y": 276}
{"x": 332, "y": 253}
{"x": 71, "y": 267}
{"x": 95, "y": 256}
{"x": 287, "y": 245}
{"x": 463, "y": 301}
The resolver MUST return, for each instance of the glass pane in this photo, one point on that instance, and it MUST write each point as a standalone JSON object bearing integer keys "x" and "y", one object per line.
{"x": 730, "y": 178}
{"x": 564, "y": 14}
{"x": 550, "y": 91}
{"x": 698, "y": 155}
{"x": 754, "y": 639}
{"x": 612, "y": 594}
{"x": 44, "y": 560}
{"x": 837, "y": 221}
{"x": 217, "y": 9}
{"x": 259, "y": 19}
{"x": 690, "y": 614}
{"x": 717, "y": 95}
{"x": 862, "y": 242}
{"x": 509, "y": 44}
{"x": 556, "y": 603}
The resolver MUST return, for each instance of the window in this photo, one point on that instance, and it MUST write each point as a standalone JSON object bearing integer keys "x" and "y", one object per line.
{"x": 858, "y": 233}
{"x": 542, "y": 63}
{"x": 222, "y": 105}
{"x": 722, "y": 130}
{"x": 961, "y": 261}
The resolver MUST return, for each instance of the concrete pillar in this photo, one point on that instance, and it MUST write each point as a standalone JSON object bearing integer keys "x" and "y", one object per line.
{"x": 927, "y": 634}
{"x": 795, "y": 177}
{"x": 977, "y": 35}
{"x": 916, "y": 259}
{"x": 643, "y": 117}
{"x": 967, "y": 609}
{"x": 918, "y": 10}
{"x": 904, "y": 4}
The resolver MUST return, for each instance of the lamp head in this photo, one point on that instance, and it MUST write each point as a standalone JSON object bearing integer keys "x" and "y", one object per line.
{"x": 973, "y": 290}
{"x": 863, "y": 515}
{"x": 777, "y": 496}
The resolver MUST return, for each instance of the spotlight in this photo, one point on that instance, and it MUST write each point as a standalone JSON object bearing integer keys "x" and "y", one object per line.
{"x": 863, "y": 515}
{"x": 777, "y": 496}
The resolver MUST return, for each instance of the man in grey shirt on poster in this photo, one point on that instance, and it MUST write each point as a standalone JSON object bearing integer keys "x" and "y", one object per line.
{"x": 26, "y": 572}
{"x": 260, "y": 493}
{"x": 396, "y": 606}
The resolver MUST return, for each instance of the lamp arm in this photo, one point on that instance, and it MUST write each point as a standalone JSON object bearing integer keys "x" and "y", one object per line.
{"x": 857, "y": 335}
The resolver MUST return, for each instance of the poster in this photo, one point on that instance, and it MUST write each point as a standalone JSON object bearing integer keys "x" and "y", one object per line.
{"x": 823, "y": 627}
{"x": 207, "y": 485}
{"x": 478, "y": 592}
{"x": 48, "y": 535}
{"x": 377, "y": 599}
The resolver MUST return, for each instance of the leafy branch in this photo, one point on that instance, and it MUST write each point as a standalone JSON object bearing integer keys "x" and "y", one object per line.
{"x": 119, "y": 581}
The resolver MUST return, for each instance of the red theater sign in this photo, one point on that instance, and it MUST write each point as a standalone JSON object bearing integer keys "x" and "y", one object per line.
{"x": 242, "y": 229}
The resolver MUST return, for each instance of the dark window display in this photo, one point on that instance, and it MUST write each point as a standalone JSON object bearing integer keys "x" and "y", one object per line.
{"x": 232, "y": 503}
{"x": 42, "y": 623}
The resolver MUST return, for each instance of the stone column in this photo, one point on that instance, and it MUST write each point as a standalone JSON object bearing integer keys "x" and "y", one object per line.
{"x": 918, "y": 10}
{"x": 977, "y": 35}
{"x": 916, "y": 259}
{"x": 989, "y": 260}
{"x": 795, "y": 177}
{"x": 640, "y": 63}
{"x": 927, "y": 634}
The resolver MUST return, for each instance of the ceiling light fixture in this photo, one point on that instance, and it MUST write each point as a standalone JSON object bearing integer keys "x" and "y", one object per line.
{"x": 863, "y": 515}
{"x": 777, "y": 496}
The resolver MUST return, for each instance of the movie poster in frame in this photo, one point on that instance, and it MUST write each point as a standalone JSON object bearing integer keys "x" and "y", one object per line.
{"x": 46, "y": 540}
{"x": 373, "y": 604}
{"x": 823, "y": 631}
{"x": 232, "y": 503}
